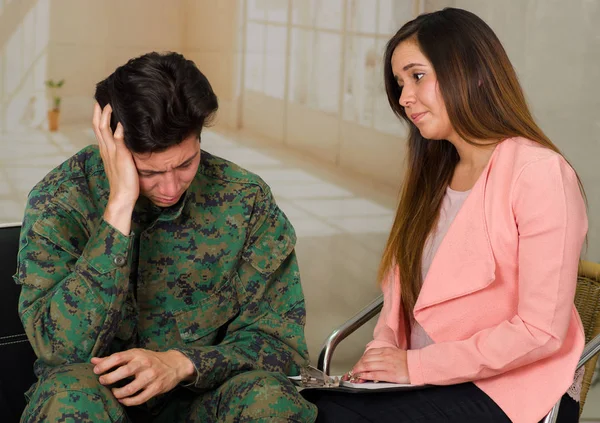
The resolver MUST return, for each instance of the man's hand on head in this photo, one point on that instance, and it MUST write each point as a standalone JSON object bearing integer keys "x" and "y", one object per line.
{"x": 153, "y": 373}
{"x": 120, "y": 170}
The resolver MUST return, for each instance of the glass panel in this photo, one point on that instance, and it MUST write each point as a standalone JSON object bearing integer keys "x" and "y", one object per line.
{"x": 255, "y": 10}
{"x": 384, "y": 118}
{"x": 42, "y": 27}
{"x": 362, "y": 16}
{"x": 361, "y": 79}
{"x": 275, "y": 61}
{"x": 315, "y": 69}
{"x": 277, "y": 10}
{"x": 13, "y": 56}
{"x": 393, "y": 14}
{"x": 325, "y": 87}
{"x": 329, "y": 14}
{"x": 300, "y": 65}
{"x": 39, "y": 72}
{"x": 324, "y": 14}
{"x": 303, "y": 12}
{"x": 255, "y": 43}
{"x": 29, "y": 30}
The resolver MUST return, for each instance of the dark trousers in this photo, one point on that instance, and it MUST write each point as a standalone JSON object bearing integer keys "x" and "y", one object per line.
{"x": 464, "y": 403}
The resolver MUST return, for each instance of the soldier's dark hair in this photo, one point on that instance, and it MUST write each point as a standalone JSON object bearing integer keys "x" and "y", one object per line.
{"x": 160, "y": 99}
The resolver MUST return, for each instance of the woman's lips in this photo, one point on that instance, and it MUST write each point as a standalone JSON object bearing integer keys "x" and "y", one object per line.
{"x": 417, "y": 116}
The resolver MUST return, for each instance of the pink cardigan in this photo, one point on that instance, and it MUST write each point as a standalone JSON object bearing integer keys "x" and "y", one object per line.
{"x": 498, "y": 298}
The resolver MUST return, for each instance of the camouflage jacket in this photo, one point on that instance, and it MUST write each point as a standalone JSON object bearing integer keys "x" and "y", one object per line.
{"x": 214, "y": 276}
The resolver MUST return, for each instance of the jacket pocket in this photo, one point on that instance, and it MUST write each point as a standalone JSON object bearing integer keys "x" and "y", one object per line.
{"x": 202, "y": 322}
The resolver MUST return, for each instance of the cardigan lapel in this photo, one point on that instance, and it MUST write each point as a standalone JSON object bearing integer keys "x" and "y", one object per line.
{"x": 464, "y": 262}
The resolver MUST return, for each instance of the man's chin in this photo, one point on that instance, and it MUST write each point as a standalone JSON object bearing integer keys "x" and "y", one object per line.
{"x": 165, "y": 202}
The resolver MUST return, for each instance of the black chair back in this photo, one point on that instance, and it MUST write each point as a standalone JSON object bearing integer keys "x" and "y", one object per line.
{"x": 16, "y": 355}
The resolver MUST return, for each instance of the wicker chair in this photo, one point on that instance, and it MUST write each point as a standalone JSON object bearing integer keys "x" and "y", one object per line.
{"x": 587, "y": 301}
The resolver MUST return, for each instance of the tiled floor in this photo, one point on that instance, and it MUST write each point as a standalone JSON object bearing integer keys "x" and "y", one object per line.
{"x": 341, "y": 220}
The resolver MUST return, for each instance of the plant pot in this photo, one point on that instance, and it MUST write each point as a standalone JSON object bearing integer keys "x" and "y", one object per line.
{"x": 53, "y": 118}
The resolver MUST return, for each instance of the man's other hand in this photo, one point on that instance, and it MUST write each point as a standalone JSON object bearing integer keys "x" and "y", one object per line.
{"x": 153, "y": 373}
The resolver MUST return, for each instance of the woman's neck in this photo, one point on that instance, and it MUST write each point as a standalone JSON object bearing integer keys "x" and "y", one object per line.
{"x": 472, "y": 160}
{"x": 474, "y": 156}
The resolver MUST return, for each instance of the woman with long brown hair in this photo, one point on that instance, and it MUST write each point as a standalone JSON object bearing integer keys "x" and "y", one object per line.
{"x": 480, "y": 269}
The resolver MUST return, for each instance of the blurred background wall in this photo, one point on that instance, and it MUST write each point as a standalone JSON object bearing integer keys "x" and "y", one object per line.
{"x": 302, "y": 73}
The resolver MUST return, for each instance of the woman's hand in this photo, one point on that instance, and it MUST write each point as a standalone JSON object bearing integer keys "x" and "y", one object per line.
{"x": 382, "y": 365}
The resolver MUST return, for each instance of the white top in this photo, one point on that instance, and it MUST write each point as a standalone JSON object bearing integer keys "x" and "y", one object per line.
{"x": 451, "y": 204}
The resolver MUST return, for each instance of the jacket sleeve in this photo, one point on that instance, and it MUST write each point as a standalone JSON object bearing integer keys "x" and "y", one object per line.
{"x": 268, "y": 331}
{"x": 390, "y": 330}
{"x": 551, "y": 220}
{"x": 73, "y": 284}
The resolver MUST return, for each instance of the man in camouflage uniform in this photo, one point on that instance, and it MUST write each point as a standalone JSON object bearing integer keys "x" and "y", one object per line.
{"x": 159, "y": 282}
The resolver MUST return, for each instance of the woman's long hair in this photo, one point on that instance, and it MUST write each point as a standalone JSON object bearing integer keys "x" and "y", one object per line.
{"x": 484, "y": 101}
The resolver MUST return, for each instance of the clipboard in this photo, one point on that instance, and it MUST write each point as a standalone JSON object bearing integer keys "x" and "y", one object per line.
{"x": 313, "y": 378}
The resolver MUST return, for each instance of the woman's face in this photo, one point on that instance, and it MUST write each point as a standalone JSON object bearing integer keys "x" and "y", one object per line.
{"x": 420, "y": 95}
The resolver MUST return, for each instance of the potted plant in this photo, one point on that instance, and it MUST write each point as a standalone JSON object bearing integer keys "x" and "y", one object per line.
{"x": 54, "y": 112}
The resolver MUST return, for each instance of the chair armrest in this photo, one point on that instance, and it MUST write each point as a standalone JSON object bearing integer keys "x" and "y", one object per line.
{"x": 343, "y": 331}
{"x": 591, "y": 349}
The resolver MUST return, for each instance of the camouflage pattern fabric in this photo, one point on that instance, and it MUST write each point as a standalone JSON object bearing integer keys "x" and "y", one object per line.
{"x": 72, "y": 393}
{"x": 214, "y": 276}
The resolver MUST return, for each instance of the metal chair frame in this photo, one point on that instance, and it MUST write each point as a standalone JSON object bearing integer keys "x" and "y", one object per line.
{"x": 342, "y": 332}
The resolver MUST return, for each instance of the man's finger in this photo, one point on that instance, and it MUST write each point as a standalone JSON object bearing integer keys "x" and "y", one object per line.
{"x": 130, "y": 389}
{"x": 119, "y": 132}
{"x": 111, "y": 361}
{"x": 96, "y": 115}
{"x": 141, "y": 398}
{"x": 96, "y": 360}
{"x": 96, "y": 123}
{"x": 106, "y": 132}
{"x": 119, "y": 373}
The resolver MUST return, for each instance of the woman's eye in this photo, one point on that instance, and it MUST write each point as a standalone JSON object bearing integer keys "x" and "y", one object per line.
{"x": 418, "y": 76}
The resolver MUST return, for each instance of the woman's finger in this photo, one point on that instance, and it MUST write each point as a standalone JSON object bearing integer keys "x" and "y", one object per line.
{"x": 374, "y": 351}
{"x": 380, "y": 376}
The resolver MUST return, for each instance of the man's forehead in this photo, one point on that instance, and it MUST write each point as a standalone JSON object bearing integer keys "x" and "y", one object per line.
{"x": 171, "y": 157}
